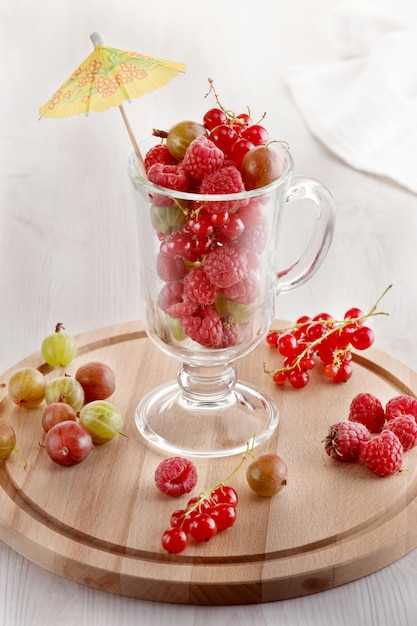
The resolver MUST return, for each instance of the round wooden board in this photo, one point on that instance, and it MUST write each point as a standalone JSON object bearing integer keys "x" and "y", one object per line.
{"x": 100, "y": 523}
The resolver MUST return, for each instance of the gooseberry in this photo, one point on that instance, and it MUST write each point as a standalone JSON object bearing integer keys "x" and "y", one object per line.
{"x": 27, "y": 387}
{"x": 68, "y": 443}
{"x": 102, "y": 420}
{"x": 55, "y": 413}
{"x": 267, "y": 475}
{"x": 8, "y": 441}
{"x": 261, "y": 166}
{"x": 97, "y": 379}
{"x": 60, "y": 348}
{"x": 65, "y": 389}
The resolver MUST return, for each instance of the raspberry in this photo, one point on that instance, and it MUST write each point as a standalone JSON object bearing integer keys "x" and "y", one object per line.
{"x": 383, "y": 454}
{"x": 225, "y": 180}
{"x": 204, "y": 326}
{"x": 344, "y": 440}
{"x": 405, "y": 427}
{"x": 401, "y": 405}
{"x": 170, "y": 268}
{"x": 245, "y": 291}
{"x": 174, "y": 302}
{"x": 170, "y": 176}
{"x": 225, "y": 266}
{"x": 367, "y": 409}
{"x": 198, "y": 288}
{"x": 176, "y": 476}
{"x": 230, "y": 335}
{"x": 202, "y": 157}
{"x": 159, "y": 154}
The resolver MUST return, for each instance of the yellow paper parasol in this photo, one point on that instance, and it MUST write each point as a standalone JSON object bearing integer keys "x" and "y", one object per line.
{"x": 107, "y": 78}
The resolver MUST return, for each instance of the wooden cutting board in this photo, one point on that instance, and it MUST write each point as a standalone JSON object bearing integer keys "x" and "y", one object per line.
{"x": 100, "y": 523}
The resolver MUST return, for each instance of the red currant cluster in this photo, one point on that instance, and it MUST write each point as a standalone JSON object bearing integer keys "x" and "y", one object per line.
{"x": 322, "y": 339}
{"x": 202, "y": 519}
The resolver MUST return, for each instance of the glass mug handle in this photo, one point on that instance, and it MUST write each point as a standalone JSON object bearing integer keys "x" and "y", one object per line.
{"x": 322, "y": 203}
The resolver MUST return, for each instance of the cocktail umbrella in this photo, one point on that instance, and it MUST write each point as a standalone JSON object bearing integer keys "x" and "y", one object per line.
{"x": 107, "y": 78}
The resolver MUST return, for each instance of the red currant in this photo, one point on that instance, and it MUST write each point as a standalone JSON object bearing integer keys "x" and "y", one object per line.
{"x": 363, "y": 338}
{"x": 239, "y": 149}
{"x": 272, "y": 339}
{"x": 354, "y": 313}
{"x": 174, "y": 540}
{"x": 213, "y": 118}
{"x": 287, "y": 344}
{"x": 257, "y": 134}
{"x": 202, "y": 527}
{"x": 279, "y": 377}
{"x": 234, "y": 227}
{"x": 344, "y": 373}
{"x": 224, "y": 515}
{"x": 225, "y": 494}
{"x": 298, "y": 378}
{"x": 224, "y": 137}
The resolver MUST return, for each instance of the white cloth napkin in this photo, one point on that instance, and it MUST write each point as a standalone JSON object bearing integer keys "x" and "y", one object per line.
{"x": 363, "y": 106}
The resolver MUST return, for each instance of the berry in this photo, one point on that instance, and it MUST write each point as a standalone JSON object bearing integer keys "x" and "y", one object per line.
{"x": 170, "y": 176}
{"x": 204, "y": 326}
{"x": 213, "y": 118}
{"x": 174, "y": 540}
{"x": 367, "y": 409}
{"x": 226, "y": 180}
{"x": 202, "y": 527}
{"x": 226, "y": 495}
{"x": 202, "y": 157}
{"x": 401, "y": 405}
{"x": 383, "y": 454}
{"x": 363, "y": 338}
{"x": 225, "y": 266}
{"x": 198, "y": 288}
{"x": 159, "y": 154}
{"x": 344, "y": 439}
{"x": 405, "y": 427}
{"x": 173, "y": 301}
{"x": 170, "y": 267}
{"x": 224, "y": 515}
{"x": 245, "y": 291}
{"x": 224, "y": 136}
{"x": 176, "y": 476}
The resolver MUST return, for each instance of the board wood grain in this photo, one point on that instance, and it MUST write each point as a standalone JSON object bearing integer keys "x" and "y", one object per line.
{"x": 100, "y": 523}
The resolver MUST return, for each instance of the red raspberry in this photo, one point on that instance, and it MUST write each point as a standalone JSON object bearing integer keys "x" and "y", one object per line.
{"x": 344, "y": 440}
{"x": 401, "y": 405}
{"x": 176, "y": 476}
{"x": 170, "y": 267}
{"x": 383, "y": 454}
{"x": 204, "y": 326}
{"x": 230, "y": 335}
{"x": 225, "y": 180}
{"x": 174, "y": 302}
{"x": 198, "y": 288}
{"x": 202, "y": 157}
{"x": 225, "y": 266}
{"x": 405, "y": 427}
{"x": 159, "y": 154}
{"x": 245, "y": 291}
{"x": 170, "y": 176}
{"x": 367, "y": 409}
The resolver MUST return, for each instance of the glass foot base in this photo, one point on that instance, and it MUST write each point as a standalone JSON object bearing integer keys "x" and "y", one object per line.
{"x": 169, "y": 421}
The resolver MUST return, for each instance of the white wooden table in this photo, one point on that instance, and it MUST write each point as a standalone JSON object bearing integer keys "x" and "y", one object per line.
{"x": 68, "y": 246}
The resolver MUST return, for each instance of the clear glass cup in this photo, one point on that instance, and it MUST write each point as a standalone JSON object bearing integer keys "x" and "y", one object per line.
{"x": 209, "y": 278}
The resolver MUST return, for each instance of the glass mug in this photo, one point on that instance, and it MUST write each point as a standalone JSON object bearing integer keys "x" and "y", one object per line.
{"x": 209, "y": 278}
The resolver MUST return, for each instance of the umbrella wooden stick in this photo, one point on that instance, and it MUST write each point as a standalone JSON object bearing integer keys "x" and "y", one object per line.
{"x": 132, "y": 139}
